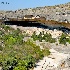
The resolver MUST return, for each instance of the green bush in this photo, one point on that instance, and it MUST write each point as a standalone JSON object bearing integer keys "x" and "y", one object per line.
{"x": 46, "y": 52}
{"x": 63, "y": 39}
{"x": 47, "y": 37}
{"x": 20, "y": 68}
{"x": 9, "y": 63}
{"x": 1, "y": 48}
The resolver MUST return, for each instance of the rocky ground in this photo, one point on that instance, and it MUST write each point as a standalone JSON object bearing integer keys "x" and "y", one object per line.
{"x": 55, "y": 61}
{"x": 60, "y": 54}
{"x": 55, "y": 34}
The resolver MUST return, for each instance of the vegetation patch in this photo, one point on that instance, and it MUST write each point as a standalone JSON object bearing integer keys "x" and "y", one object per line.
{"x": 15, "y": 54}
{"x": 64, "y": 39}
{"x": 47, "y": 37}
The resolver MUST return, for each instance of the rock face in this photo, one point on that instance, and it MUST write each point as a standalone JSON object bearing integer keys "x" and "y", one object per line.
{"x": 58, "y": 12}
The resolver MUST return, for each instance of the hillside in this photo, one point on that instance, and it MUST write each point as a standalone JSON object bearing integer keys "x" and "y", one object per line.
{"x": 58, "y": 12}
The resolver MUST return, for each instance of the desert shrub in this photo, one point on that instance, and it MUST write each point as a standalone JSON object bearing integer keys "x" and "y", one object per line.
{"x": 63, "y": 39}
{"x": 33, "y": 49}
{"x": 1, "y": 32}
{"x": 1, "y": 48}
{"x": 20, "y": 68}
{"x": 9, "y": 63}
{"x": 46, "y": 52}
{"x": 47, "y": 37}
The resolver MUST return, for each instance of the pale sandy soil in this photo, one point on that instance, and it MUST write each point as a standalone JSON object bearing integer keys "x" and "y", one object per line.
{"x": 53, "y": 61}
